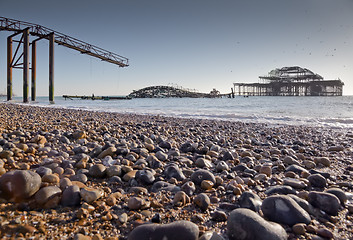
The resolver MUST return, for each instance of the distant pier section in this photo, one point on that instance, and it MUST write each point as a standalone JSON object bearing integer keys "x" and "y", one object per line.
{"x": 93, "y": 97}
{"x": 173, "y": 92}
{"x": 290, "y": 81}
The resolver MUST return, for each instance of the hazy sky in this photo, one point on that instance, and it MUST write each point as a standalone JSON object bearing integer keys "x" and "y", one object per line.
{"x": 197, "y": 44}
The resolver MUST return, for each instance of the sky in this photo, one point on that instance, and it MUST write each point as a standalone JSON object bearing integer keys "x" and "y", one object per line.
{"x": 196, "y": 44}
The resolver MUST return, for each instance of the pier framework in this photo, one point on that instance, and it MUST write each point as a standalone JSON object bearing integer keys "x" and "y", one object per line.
{"x": 24, "y": 30}
{"x": 290, "y": 81}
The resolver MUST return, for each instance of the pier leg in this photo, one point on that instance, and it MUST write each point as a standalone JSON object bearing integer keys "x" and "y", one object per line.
{"x": 25, "y": 64}
{"x": 34, "y": 63}
{"x": 51, "y": 68}
{"x": 9, "y": 68}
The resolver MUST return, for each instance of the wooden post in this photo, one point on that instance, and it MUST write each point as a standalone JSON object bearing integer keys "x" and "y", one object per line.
{"x": 34, "y": 63}
{"x": 51, "y": 68}
{"x": 9, "y": 68}
{"x": 25, "y": 64}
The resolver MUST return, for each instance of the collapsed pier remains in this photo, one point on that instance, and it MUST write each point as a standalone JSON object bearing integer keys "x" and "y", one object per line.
{"x": 290, "y": 81}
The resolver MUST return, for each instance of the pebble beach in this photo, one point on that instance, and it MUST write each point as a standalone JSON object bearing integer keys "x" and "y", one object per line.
{"x": 74, "y": 174}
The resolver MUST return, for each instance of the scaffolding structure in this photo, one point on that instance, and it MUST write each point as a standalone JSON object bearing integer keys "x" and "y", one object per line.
{"x": 290, "y": 81}
{"x": 24, "y": 30}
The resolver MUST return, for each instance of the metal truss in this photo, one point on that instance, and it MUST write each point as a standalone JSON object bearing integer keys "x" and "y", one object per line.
{"x": 65, "y": 40}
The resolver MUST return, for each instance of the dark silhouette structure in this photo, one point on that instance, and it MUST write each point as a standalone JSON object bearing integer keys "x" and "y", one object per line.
{"x": 290, "y": 81}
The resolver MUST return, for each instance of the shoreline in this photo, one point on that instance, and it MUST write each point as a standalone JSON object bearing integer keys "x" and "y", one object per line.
{"x": 99, "y": 174}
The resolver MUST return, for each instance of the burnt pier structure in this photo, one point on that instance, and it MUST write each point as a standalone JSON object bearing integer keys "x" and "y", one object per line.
{"x": 20, "y": 58}
{"x": 290, "y": 81}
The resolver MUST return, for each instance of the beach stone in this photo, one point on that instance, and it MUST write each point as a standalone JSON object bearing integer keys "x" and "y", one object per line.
{"x": 303, "y": 203}
{"x": 19, "y": 185}
{"x": 164, "y": 186}
{"x": 129, "y": 175}
{"x": 294, "y": 183}
{"x": 189, "y": 188}
{"x": 187, "y": 147}
{"x": 219, "y": 216}
{"x": 64, "y": 183}
{"x": 317, "y": 180}
{"x": 289, "y": 160}
{"x": 207, "y": 184}
{"x": 185, "y": 230}
{"x": 110, "y": 151}
{"x": 299, "y": 228}
{"x": 309, "y": 164}
{"x": 48, "y": 197}
{"x": 135, "y": 203}
{"x": 335, "y": 149}
{"x": 51, "y": 178}
{"x": 173, "y": 171}
{"x": 250, "y": 200}
{"x": 181, "y": 199}
{"x": 222, "y": 166}
{"x": 242, "y": 223}
{"x": 39, "y": 139}
{"x": 97, "y": 170}
{"x": 79, "y": 135}
{"x": 296, "y": 168}
{"x": 198, "y": 176}
{"x": 280, "y": 190}
{"x": 339, "y": 193}
{"x": 324, "y": 174}
{"x": 203, "y": 163}
{"x": 79, "y": 177}
{"x": 202, "y": 201}
{"x": 114, "y": 170}
{"x": 71, "y": 196}
{"x": 326, "y": 233}
{"x": 326, "y": 202}
{"x": 90, "y": 194}
{"x": 283, "y": 209}
{"x": 161, "y": 156}
{"x": 43, "y": 171}
{"x": 211, "y": 236}
{"x": 322, "y": 160}
{"x": 267, "y": 170}
{"x": 145, "y": 176}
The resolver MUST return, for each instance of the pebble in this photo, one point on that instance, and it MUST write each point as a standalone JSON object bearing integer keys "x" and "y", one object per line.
{"x": 19, "y": 185}
{"x": 48, "y": 197}
{"x": 299, "y": 228}
{"x": 135, "y": 203}
{"x": 181, "y": 199}
{"x": 202, "y": 201}
{"x": 211, "y": 236}
{"x": 185, "y": 230}
{"x": 242, "y": 223}
{"x": 97, "y": 171}
{"x": 283, "y": 209}
{"x": 173, "y": 171}
{"x": 317, "y": 180}
{"x": 326, "y": 202}
{"x": 189, "y": 188}
{"x": 250, "y": 200}
{"x": 322, "y": 160}
{"x": 90, "y": 194}
{"x": 198, "y": 176}
{"x": 145, "y": 176}
{"x": 71, "y": 196}
{"x": 280, "y": 190}
{"x": 339, "y": 193}
{"x": 161, "y": 185}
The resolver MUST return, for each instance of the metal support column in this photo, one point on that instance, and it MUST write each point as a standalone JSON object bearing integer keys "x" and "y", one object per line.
{"x": 33, "y": 82}
{"x": 9, "y": 68}
{"x": 25, "y": 64}
{"x": 51, "y": 68}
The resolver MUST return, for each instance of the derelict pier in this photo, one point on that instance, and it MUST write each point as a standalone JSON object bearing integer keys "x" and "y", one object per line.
{"x": 290, "y": 81}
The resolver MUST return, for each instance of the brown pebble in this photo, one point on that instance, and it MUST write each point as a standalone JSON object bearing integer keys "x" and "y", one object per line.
{"x": 299, "y": 228}
{"x": 324, "y": 232}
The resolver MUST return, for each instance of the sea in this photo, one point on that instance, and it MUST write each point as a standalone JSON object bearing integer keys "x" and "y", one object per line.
{"x": 332, "y": 112}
